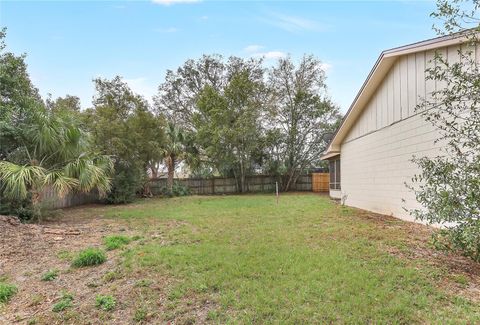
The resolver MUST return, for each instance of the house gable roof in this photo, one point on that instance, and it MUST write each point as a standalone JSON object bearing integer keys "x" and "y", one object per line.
{"x": 383, "y": 64}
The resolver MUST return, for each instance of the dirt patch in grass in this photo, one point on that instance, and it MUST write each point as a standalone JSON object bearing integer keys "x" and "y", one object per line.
{"x": 29, "y": 250}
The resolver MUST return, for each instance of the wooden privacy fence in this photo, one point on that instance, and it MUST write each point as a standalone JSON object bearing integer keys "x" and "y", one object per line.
{"x": 320, "y": 182}
{"x": 316, "y": 182}
{"x": 53, "y": 201}
{"x": 221, "y": 185}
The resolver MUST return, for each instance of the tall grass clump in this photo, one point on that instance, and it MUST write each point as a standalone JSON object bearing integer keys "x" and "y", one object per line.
{"x": 89, "y": 257}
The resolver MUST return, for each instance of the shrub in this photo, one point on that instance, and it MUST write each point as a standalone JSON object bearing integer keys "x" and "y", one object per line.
{"x": 116, "y": 241}
{"x": 23, "y": 209}
{"x": 89, "y": 257}
{"x": 64, "y": 303}
{"x": 7, "y": 291}
{"x": 177, "y": 190}
{"x": 50, "y": 275}
{"x": 126, "y": 182}
{"x": 462, "y": 238}
{"x": 105, "y": 302}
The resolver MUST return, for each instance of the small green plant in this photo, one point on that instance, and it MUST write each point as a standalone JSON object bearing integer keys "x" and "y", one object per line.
{"x": 140, "y": 314}
{"x": 65, "y": 302}
{"x": 89, "y": 257}
{"x": 105, "y": 302}
{"x": 116, "y": 241}
{"x": 50, "y": 275}
{"x": 461, "y": 279}
{"x": 7, "y": 291}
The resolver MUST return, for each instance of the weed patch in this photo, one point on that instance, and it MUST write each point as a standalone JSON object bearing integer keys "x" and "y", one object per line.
{"x": 50, "y": 275}
{"x": 7, "y": 291}
{"x": 65, "y": 302}
{"x": 106, "y": 303}
{"x": 89, "y": 257}
{"x": 115, "y": 242}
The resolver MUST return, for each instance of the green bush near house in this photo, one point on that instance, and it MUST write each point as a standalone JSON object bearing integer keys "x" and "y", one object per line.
{"x": 89, "y": 257}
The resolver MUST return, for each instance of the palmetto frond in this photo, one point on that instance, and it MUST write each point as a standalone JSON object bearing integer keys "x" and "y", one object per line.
{"x": 92, "y": 173}
{"x": 61, "y": 183}
{"x": 17, "y": 180}
{"x": 175, "y": 143}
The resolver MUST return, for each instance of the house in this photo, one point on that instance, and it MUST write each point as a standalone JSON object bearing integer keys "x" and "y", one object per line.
{"x": 370, "y": 154}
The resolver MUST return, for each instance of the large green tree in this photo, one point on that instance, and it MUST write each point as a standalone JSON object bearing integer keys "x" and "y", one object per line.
{"x": 218, "y": 104}
{"x": 300, "y": 119}
{"x": 18, "y": 98}
{"x": 68, "y": 104}
{"x": 123, "y": 126}
{"x": 448, "y": 185}
{"x": 229, "y": 125}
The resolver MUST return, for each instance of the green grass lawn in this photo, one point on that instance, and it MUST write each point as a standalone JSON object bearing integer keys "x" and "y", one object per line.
{"x": 245, "y": 259}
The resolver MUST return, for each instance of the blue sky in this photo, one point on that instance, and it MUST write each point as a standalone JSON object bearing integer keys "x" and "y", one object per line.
{"x": 70, "y": 43}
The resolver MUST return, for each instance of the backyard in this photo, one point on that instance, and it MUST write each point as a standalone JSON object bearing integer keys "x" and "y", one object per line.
{"x": 233, "y": 259}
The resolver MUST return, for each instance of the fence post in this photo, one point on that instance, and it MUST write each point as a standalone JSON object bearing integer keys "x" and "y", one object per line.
{"x": 213, "y": 185}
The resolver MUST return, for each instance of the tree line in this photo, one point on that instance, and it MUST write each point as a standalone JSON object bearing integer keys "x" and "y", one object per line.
{"x": 231, "y": 117}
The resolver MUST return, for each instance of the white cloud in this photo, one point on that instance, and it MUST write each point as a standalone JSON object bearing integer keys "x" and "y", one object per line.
{"x": 253, "y": 48}
{"x": 271, "y": 55}
{"x": 141, "y": 86}
{"x": 171, "y": 2}
{"x": 326, "y": 66}
{"x": 292, "y": 23}
{"x": 167, "y": 30}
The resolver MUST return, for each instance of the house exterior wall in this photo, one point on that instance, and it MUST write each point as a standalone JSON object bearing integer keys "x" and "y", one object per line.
{"x": 376, "y": 166}
{"x": 376, "y": 154}
{"x": 335, "y": 194}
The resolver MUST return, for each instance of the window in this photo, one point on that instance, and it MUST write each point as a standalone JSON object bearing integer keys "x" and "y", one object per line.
{"x": 335, "y": 174}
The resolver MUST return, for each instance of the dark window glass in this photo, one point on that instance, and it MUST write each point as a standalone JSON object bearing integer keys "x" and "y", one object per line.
{"x": 337, "y": 173}
{"x": 334, "y": 174}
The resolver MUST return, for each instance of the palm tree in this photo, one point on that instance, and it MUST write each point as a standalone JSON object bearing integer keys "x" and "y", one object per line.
{"x": 53, "y": 151}
{"x": 174, "y": 151}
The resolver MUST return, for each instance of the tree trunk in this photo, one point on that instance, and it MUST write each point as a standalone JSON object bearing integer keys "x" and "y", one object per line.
{"x": 242, "y": 178}
{"x": 36, "y": 200}
{"x": 171, "y": 171}
{"x": 154, "y": 171}
{"x": 289, "y": 181}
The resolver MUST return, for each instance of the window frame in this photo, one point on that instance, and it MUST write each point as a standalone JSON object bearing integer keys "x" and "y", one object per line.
{"x": 335, "y": 174}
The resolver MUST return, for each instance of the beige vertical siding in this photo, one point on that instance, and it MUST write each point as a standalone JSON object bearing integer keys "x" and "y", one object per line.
{"x": 402, "y": 89}
{"x": 376, "y": 154}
